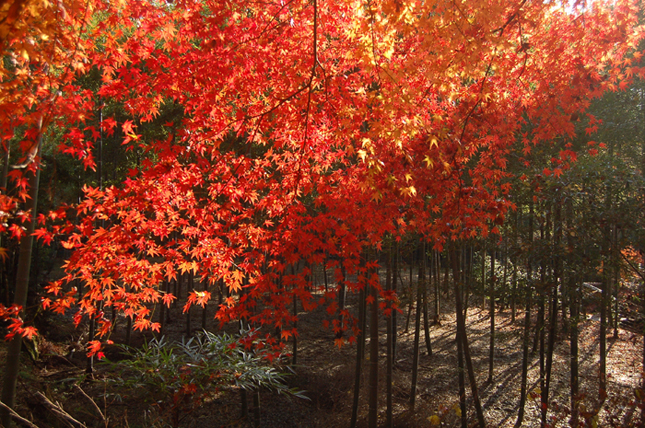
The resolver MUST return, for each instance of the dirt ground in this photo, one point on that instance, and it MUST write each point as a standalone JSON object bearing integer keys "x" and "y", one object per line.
{"x": 326, "y": 373}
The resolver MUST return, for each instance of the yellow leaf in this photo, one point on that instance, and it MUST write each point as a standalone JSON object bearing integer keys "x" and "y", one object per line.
{"x": 434, "y": 420}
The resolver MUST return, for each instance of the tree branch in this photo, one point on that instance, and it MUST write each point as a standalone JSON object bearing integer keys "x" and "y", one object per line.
{"x": 17, "y": 417}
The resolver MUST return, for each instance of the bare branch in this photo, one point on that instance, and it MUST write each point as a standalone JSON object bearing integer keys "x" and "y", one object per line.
{"x": 17, "y": 417}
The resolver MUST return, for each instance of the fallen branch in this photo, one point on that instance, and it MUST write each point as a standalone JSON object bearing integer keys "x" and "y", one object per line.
{"x": 96, "y": 406}
{"x": 17, "y": 417}
{"x": 58, "y": 411}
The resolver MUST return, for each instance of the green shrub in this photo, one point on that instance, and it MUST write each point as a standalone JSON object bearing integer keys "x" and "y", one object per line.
{"x": 177, "y": 377}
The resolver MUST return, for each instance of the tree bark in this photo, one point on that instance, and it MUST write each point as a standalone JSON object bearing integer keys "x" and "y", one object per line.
{"x": 12, "y": 362}
{"x": 342, "y": 293}
{"x": 553, "y": 322}
{"x": 374, "y": 336}
{"x": 389, "y": 320}
{"x": 491, "y": 350}
{"x": 360, "y": 352}
{"x": 527, "y": 324}
{"x": 417, "y": 334}
{"x": 463, "y": 338}
{"x": 395, "y": 273}
{"x": 424, "y": 283}
{"x": 462, "y": 382}
{"x": 553, "y": 314}
{"x": 437, "y": 278}
{"x": 483, "y": 271}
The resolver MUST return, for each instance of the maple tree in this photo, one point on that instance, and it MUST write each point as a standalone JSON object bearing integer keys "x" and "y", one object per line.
{"x": 305, "y": 131}
{"x": 299, "y": 117}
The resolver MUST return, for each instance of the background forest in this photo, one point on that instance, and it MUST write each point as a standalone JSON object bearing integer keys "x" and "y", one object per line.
{"x": 209, "y": 205}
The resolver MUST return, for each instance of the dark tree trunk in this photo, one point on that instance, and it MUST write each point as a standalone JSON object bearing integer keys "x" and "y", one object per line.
{"x": 360, "y": 349}
{"x": 395, "y": 273}
{"x": 553, "y": 314}
{"x": 410, "y": 298}
{"x": 294, "y": 337}
{"x": 491, "y": 350}
{"x": 424, "y": 284}
{"x": 527, "y": 323}
{"x": 483, "y": 271}
{"x": 390, "y": 331}
{"x": 374, "y": 336}
{"x": 437, "y": 278}
{"x": 417, "y": 333}
{"x": 256, "y": 408}
{"x": 553, "y": 322}
{"x": 12, "y": 362}
{"x": 325, "y": 275}
{"x": 162, "y": 313}
{"x": 205, "y": 308}
{"x": 463, "y": 338}
{"x": 462, "y": 382}
{"x": 342, "y": 293}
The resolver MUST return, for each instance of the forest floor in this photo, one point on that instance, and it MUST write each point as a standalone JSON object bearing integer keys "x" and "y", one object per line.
{"x": 326, "y": 373}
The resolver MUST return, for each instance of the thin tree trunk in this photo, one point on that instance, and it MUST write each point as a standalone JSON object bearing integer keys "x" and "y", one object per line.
{"x": 128, "y": 331}
{"x": 256, "y": 408}
{"x": 437, "y": 278}
{"x": 410, "y": 298}
{"x": 553, "y": 322}
{"x": 374, "y": 336}
{"x": 395, "y": 273}
{"x": 12, "y": 362}
{"x": 360, "y": 349}
{"x": 527, "y": 324}
{"x": 205, "y": 308}
{"x": 574, "y": 312}
{"x": 4, "y": 271}
{"x": 424, "y": 283}
{"x": 505, "y": 273}
{"x": 342, "y": 293}
{"x": 294, "y": 337}
{"x": 462, "y": 336}
{"x": 515, "y": 263}
{"x": 162, "y": 312}
{"x": 483, "y": 270}
{"x": 606, "y": 286}
{"x": 602, "y": 375}
{"x": 325, "y": 275}
{"x": 491, "y": 349}
{"x": 573, "y": 363}
{"x": 417, "y": 334}
{"x": 616, "y": 282}
{"x": 525, "y": 356}
{"x": 541, "y": 321}
{"x": 468, "y": 275}
{"x": 426, "y": 322}
{"x": 462, "y": 382}
{"x": 390, "y": 331}
{"x": 189, "y": 286}
{"x": 245, "y": 404}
